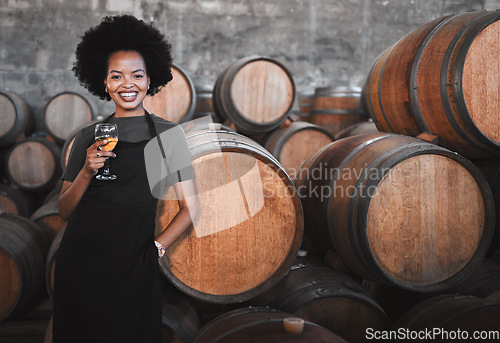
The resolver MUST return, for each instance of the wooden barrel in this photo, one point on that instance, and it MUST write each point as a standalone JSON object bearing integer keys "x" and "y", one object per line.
{"x": 66, "y": 112}
{"x": 23, "y": 249}
{"x": 254, "y": 93}
{"x": 204, "y": 104}
{"x": 442, "y": 78}
{"x": 262, "y": 325}
{"x": 305, "y": 102}
{"x": 176, "y": 101}
{"x": 291, "y": 145}
{"x": 330, "y": 298}
{"x": 14, "y": 200}
{"x": 490, "y": 167}
{"x": 392, "y": 207}
{"x": 336, "y": 108}
{"x": 50, "y": 263}
{"x": 181, "y": 322}
{"x": 68, "y": 144}
{"x": 16, "y": 120}
{"x": 357, "y": 129}
{"x": 484, "y": 281}
{"x": 250, "y": 223}
{"x": 47, "y": 216}
{"x": 33, "y": 164}
{"x": 454, "y": 315}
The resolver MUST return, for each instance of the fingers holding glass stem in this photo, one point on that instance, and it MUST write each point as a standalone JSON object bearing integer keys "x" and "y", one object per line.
{"x": 98, "y": 158}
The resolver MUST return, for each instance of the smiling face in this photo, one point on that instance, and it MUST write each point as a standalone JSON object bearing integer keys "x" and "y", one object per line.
{"x": 127, "y": 82}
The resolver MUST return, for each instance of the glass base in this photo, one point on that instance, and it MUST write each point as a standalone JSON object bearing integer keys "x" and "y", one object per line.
{"x": 105, "y": 177}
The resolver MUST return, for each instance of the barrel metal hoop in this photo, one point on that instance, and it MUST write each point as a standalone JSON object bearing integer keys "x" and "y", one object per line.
{"x": 446, "y": 84}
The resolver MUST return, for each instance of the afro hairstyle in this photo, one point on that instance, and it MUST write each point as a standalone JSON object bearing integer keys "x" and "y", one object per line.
{"x": 117, "y": 33}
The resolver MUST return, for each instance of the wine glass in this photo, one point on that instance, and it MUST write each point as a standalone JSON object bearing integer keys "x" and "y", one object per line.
{"x": 109, "y": 132}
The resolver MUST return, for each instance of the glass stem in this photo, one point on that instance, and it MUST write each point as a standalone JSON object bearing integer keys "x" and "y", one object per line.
{"x": 106, "y": 167}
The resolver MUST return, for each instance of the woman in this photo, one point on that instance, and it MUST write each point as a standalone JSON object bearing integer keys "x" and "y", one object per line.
{"x": 106, "y": 286}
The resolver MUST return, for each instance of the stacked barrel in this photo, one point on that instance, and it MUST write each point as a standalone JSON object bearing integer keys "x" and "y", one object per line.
{"x": 324, "y": 216}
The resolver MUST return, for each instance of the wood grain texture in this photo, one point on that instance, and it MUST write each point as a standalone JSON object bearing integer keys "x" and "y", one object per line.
{"x": 398, "y": 210}
{"x": 34, "y": 164}
{"x": 293, "y": 144}
{"x": 425, "y": 220}
{"x": 248, "y": 231}
{"x": 336, "y": 108}
{"x": 442, "y": 78}
{"x": 255, "y": 94}
{"x": 66, "y": 112}
{"x": 16, "y": 119}
{"x": 176, "y": 101}
{"x": 481, "y": 81}
{"x": 8, "y": 117}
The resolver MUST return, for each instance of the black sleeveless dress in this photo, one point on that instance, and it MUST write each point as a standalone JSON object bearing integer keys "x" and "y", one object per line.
{"x": 106, "y": 285}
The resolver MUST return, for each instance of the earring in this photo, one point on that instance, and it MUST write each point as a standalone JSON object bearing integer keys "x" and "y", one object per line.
{"x": 106, "y": 89}
{"x": 148, "y": 87}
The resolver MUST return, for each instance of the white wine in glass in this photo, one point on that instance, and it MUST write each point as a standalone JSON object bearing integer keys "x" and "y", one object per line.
{"x": 110, "y": 133}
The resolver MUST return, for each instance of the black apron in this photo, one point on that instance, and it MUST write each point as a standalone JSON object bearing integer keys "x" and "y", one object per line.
{"x": 107, "y": 282}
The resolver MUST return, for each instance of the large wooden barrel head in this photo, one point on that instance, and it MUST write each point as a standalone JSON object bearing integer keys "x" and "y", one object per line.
{"x": 176, "y": 101}
{"x": 16, "y": 118}
{"x": 480, "y": 81}
{"x": 426, "y": 217}
{"x": 66, "y": 112}
{"x": 34, "y": 164}
{"x": 254, "y": 93}
{"x": 250, "y": 223}
{"x": 262, "y": 91}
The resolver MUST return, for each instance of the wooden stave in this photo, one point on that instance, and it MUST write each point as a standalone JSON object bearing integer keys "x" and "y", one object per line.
{"x": 24, "y": 122}
{"x": 365, "y": 264}
{"x": 357, "y": 129}
{"x": 54, "y": 151}
{"x": 233, "y": 142}
{"x": 223, "y": 104}
{"x": 246, "y": 321}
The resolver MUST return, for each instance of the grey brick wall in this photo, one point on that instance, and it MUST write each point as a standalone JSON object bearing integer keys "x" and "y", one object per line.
{"x": 321, "y": 42}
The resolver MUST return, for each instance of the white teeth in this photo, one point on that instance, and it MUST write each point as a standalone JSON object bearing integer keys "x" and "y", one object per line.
{"x": 128, "y": 95}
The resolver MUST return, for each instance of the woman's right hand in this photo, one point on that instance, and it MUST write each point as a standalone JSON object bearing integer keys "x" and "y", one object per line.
{"x": 96, "y": 157}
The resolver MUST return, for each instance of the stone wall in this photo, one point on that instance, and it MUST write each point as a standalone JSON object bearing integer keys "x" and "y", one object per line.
{"x": 321, "y": 42}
